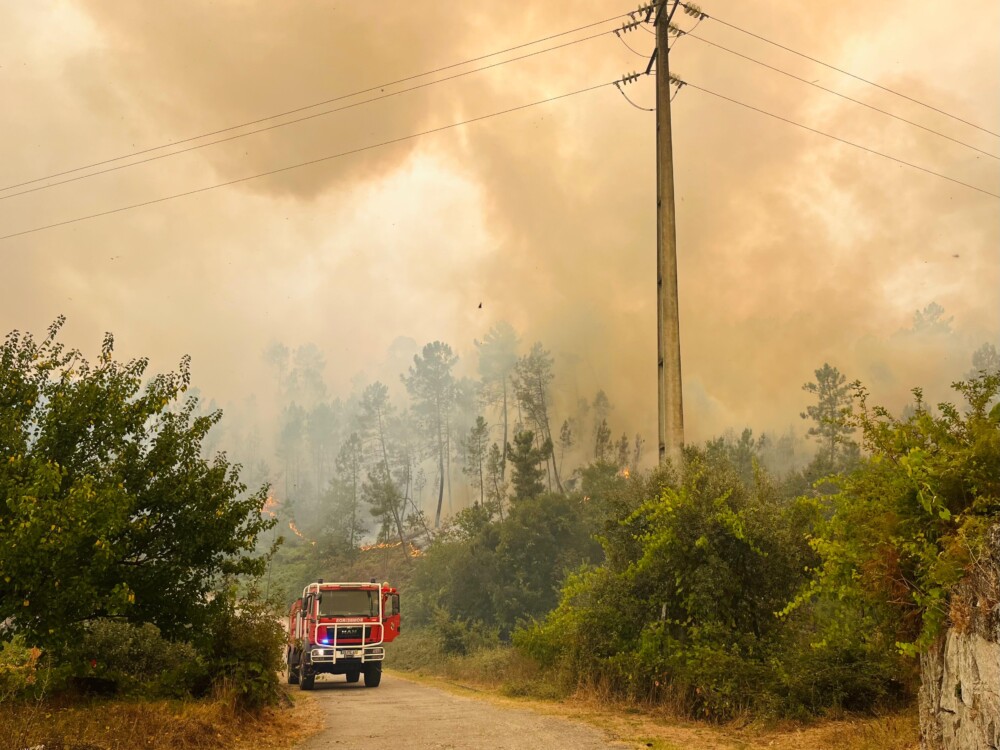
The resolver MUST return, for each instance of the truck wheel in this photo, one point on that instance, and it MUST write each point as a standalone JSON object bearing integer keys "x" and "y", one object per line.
{"x": 373, "y": 674}
{"x": 353, "y": 676}
{"x": 293, "y": 675}
{"x": 307, "y": 679}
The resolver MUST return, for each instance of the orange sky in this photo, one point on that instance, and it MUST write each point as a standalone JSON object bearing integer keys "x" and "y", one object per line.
{"x": 794, "y": 249}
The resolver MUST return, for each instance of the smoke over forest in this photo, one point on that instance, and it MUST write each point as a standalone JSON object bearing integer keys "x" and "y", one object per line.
{"x": 794, "y": 250}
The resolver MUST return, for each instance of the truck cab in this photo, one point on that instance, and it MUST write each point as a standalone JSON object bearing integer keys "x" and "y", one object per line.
{"x": 341, "y": 628}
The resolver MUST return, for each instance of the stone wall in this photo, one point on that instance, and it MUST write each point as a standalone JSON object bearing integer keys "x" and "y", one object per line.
{"x": 960, "y": 676}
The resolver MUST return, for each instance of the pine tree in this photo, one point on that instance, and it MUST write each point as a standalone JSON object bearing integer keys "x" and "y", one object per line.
{"x": 526, "y": 460}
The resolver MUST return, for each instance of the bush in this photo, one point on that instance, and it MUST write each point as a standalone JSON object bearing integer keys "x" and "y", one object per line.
{"x": 243, "y": 648}
{"x": 684, "y": 610}
{"x": 18, "y": 668}
{"x": 132, "y": 658}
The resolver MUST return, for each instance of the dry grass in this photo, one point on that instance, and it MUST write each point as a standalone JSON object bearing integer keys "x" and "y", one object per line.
{"x": 153, "y": 725}
{"x": 660, "y": 729}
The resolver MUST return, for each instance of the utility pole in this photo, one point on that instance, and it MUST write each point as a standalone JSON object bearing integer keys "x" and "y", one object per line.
{"x": 671, "y": 408}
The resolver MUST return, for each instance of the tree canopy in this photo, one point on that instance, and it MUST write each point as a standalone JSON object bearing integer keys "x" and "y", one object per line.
{"x": 109, "y": 507}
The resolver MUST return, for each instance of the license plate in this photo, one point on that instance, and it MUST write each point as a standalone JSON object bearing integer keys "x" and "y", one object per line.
{"x": 352, "y": 652}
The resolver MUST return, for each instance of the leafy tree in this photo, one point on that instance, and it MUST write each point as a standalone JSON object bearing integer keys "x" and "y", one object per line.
{"x": 566, "y": 439}
{"x": 684, "y": 608}
{"x": 911, "y": 520}
{"x": 277, "y": 356}
{"x": 526, "y": 459}
{"x": 497, "y": 359}
{"x": 985, "y": 359}
{"x": 476, "y": 456}
{"x": 830, "y": 415}
{"x": 931, "y": 320}
{"x": 602, "y": 409}
{"x": 290, "y": 449}
{"x": 637, "y": 450}
{"x": 386, "y": 503}
{"x": 431, "y": 385}
{"x": 374, "y": 416}
{"x": 350, "y": 464}
{"x": 602, "y": 443}
{"x": 305, "y": 381}
{"x": 544, "y": 538}
{"x": 623, "y": 451}
{"x": 110, "y": 509}
{"x": 496, "y": 486}
{"x": 532, "y": 378}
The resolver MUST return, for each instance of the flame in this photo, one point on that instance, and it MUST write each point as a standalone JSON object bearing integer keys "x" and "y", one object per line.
{"x": 299, "y": 534}
{"x": 270, "y": 507}
{"x": 414, "y": 550}
{"x": 625, "y": 473}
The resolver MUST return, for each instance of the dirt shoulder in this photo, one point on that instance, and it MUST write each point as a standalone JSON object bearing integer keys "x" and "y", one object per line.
{"x": 659, "y": 730}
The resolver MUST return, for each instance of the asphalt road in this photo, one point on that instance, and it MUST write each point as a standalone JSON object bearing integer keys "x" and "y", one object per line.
{"x": 405, "y": 714}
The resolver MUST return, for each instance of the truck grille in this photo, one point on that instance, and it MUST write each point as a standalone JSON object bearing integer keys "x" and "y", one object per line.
{"x": 348, "y": 634}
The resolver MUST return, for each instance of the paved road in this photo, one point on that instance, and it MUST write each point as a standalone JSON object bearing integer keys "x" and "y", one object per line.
{"x": 405, "y": 714}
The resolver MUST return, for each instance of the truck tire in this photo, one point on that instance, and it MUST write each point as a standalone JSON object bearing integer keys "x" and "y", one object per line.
{"x": 373, "y": 674}
{"x": 293, "y": 675}
{"x": 307, "y": 679}
{"x": 353, "y": 676}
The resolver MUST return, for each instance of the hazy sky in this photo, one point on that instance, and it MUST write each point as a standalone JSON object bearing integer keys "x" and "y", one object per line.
{"x": 794, "y": 249}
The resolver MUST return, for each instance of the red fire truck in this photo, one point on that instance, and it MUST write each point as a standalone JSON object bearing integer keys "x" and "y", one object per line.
{"x": 341, "y": 628}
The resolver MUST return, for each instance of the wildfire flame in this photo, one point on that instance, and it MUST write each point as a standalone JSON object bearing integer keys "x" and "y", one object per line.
{"x": 625, "y": 473}
{"x": 414, "y": 550}
{"x": 271, "y": 509}
{"x": 299, "y": 534}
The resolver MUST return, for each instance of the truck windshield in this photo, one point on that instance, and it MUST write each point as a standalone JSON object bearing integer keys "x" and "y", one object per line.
{"x": 349, "y": 603}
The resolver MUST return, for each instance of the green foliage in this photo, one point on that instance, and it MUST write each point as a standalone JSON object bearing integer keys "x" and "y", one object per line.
{"x": 432, "y": 387}
{"x": 487, "y": 573}
{"x": 243, "y": 647}
{"x": 832, "y": 426}
{"x": 685, "y": 608}
{"x": 109, "y": 508}
{"x": 136, "y": 659}
{"x": 526, "y": 459}
{"x": 18, "y": 668}
{"x": 906, "y": 526}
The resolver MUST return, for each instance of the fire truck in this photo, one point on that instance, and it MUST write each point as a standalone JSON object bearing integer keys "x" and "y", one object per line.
{"x": 341, "y": 628}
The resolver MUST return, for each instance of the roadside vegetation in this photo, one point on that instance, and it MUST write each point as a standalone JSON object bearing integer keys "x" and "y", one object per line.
{"x": 142, "y": 568}
{"x": 127, "y": 560}
{"x": 726, "y": 592}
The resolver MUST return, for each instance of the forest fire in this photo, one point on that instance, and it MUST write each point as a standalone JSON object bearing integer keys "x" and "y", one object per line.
{"x": 271, "y": 509}
{"x": 414, "y": 550}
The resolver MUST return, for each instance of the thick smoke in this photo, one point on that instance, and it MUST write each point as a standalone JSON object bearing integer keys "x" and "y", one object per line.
{"x": 794, "y": 250}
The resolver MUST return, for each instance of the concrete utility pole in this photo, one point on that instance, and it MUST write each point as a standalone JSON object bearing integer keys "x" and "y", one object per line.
{"x": 671, "y": 414}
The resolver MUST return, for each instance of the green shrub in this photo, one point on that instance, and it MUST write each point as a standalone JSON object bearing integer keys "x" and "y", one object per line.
{"x": 243, "y": 649}
{"x": 135, "y": 659}
{"x": 18, "y": 668}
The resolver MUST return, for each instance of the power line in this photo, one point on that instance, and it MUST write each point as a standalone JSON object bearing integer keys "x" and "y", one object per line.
{"x": 842, "y": 140}
{"x": 843, "y": 96}
{"x": 313, "y": 116}
{"x": 852, "y": 75}
{"x": 317, "y": 104}
{"x": 306, "y": 163}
